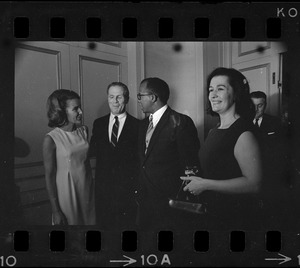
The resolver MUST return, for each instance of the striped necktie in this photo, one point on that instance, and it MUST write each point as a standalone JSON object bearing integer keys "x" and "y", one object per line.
{"x": 114, "y": 134}
{"x": 149, "y": 131}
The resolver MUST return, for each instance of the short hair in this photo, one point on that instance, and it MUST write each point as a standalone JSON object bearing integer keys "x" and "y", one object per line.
{"x": 159, "y": 87}
{"x": 123, "y": 86}
{"x": 239, "y": 83}
{"x": 56, "y": 106}
{"x": 258, "y": 95}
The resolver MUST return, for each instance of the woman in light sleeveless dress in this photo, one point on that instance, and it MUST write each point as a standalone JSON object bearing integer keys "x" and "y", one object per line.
{"x": 68, "y": 173}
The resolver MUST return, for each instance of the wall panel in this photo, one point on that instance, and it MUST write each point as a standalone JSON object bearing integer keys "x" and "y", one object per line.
{"x": 41, "y": 68}
{"x": 91, "y": 73}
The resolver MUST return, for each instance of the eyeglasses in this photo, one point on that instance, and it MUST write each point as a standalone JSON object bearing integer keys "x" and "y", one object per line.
{"x": 139, "y": 95}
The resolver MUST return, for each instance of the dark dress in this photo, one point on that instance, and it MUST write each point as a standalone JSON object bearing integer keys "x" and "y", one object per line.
{"x": 219, "y": 163}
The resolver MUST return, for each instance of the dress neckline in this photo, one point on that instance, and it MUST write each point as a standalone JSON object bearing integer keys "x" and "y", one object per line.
{"x": 217, "y": 127}
{"x": 69, "y": 131}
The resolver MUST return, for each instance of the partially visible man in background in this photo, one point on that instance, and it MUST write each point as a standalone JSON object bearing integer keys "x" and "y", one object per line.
{"x": 275, "y": 156}
{"x": 269, "y": 126}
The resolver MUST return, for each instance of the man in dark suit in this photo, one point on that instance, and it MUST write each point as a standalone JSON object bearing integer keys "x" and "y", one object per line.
{"x": 114, "y": 143}
{"x": 168, "y": 142}
{"x": 274, "y": 155}
{"x": 268, "y": 125}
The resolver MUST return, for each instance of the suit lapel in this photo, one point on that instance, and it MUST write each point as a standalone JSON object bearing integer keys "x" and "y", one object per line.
{"x": 125, "y": 129}
{"x": 105, "y": 128}
{"x": 142, "y": 135}
{"x": 161, "y": 124}
{"x": 264, "y": 123}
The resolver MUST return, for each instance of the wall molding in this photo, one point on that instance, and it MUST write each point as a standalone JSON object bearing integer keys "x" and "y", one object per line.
{"x": 47, "y": 51}
{"x": 80, "y": 75}
{"x": 29, "y": 165}
{"x": 39, "y": 203}
{"x": 267, "y": 66}
{"x": 119, "y": 45}
{"x": 240, "y": 53}
{"x": 23, "y": 179}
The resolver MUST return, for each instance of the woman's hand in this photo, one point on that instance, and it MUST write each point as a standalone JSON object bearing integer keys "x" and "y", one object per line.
{"x": 59, "y": 218}
{"x": 196, "y": 185}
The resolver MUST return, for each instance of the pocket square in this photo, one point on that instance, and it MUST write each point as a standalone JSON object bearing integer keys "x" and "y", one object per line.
{"x": 271, "y": 133}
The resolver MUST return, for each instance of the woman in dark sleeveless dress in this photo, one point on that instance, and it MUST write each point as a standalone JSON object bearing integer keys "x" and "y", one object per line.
{"x": 230, "y": 157}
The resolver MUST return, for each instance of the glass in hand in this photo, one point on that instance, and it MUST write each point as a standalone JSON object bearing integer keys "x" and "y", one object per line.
{"x": 189, "y": 171}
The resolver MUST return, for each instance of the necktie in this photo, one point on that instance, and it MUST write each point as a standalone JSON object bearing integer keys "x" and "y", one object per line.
{"x": 149, "y": 131}
{"x": 114, "y": 134}
{"x": 256, "y": 123}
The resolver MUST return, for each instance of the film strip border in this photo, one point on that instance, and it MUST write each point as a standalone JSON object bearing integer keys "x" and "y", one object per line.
{"x": 147, "y": 22}
{"x": 151, "y": 21}
{"x": 131, "y": 30}
{"x": 129, "y": 241}
{"x": 98, "y": 248}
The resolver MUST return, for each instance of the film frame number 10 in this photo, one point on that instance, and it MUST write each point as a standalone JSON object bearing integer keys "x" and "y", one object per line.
{"x": 9, "y": 261}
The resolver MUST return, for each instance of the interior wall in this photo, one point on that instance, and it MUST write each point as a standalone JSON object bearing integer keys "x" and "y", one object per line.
{"x": 180, "y": 64}
{"x": 135, "y": 52}
{"x": 41, "y": 68}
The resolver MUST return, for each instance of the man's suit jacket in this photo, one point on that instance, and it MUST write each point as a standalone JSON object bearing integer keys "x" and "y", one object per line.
{"x": 116, "y": 170}
{"x": 274, "y": 153}
{"x": 270, "y": 125}
{"x": 270, "y": 133}
{"x": 173, "y": 145}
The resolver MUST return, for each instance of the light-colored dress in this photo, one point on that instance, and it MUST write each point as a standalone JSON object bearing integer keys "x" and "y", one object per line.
{"x": 74, "y": 180}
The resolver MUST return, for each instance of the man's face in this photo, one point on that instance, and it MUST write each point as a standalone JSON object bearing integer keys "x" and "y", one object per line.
{"x": 260, "y": 106}
{"x": 145, "y": 98}
{"x": 116, "y": 100}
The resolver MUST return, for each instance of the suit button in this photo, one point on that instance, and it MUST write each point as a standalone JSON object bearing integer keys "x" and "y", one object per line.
{"x": 144, "y": 167}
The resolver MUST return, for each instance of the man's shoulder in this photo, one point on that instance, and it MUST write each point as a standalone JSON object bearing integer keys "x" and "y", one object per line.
{"x": 101, "y": 119}
{"x": 179, "y": 119}
{"x": 271, "y": 123}
{"x": 132, "y": 118}
{"x": 271, "y": 118}
{"x": 178, "y": 114}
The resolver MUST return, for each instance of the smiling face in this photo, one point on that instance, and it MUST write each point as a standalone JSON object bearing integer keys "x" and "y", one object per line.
{"x": 116, "y": 100}
{"x": 73, "y": 111}
{"x": 221, "y": 95}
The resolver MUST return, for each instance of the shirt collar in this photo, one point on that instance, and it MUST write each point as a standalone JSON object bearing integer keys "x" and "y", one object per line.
{"x": 259, "y": 120}
{"x": 158, "y": 114}
{"x": 120, "y": 116}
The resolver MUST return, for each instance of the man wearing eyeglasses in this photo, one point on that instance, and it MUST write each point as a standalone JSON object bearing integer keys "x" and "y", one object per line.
{"x": 168, "y": 141}
{"x": 114, "y": 143}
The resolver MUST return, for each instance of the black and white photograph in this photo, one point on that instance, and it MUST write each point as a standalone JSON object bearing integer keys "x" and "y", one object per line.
{"x": 184, "y": 140}
{"x": 121, "y": 134}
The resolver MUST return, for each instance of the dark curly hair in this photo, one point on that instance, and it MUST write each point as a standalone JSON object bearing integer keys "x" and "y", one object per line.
{"x": 239, "y": 83}
{"x": 56, "y": 106}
